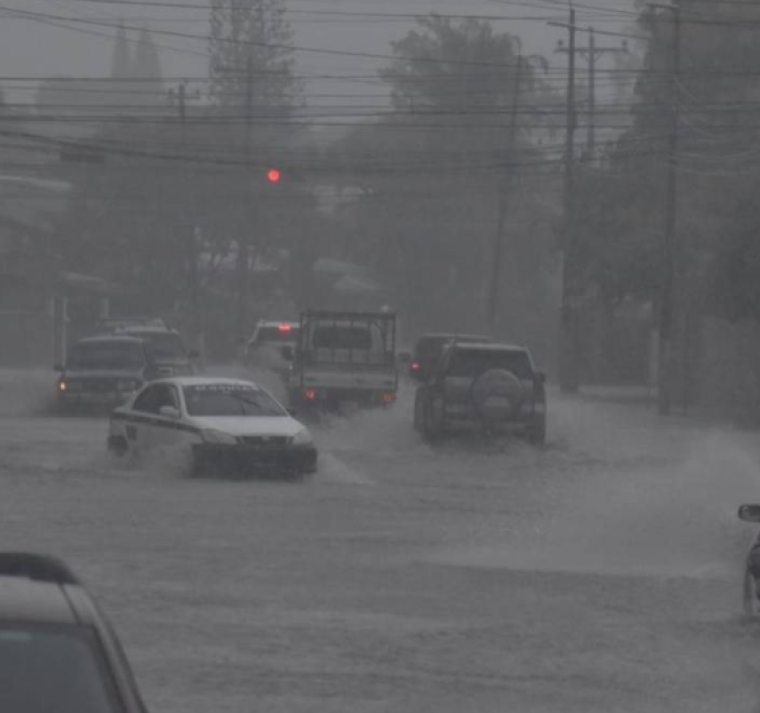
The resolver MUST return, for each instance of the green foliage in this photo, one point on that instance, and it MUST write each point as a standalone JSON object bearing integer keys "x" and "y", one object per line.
{"x": 431, "y": 172}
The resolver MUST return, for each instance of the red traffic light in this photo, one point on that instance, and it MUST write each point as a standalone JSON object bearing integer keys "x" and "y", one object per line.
{"x": 274, "y": 175}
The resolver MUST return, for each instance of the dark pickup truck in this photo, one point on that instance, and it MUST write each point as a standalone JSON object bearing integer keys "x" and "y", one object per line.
{"x": 488, "y": 387}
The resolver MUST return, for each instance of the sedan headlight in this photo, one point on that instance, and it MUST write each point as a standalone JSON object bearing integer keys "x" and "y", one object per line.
{"x": 218, "y": 437}
{"x": 303, "y": 438}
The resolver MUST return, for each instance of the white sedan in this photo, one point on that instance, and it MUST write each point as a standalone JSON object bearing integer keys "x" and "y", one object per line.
{"x": 228, "y": 424}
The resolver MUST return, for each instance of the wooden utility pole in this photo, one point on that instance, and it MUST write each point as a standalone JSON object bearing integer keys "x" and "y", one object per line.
{"x": 570, "y": 337}
{"x": 569, "y": 352}
{"x": 592, "y": 57}
{"x": 244, "y": 240}
{"x": 192, "y": 239}
{"x": 498, "y": 243}
{"x": 666, "y": 366}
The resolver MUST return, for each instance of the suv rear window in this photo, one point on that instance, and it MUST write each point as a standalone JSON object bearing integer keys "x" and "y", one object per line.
{"x": 473, "y": 363}
{"x": 166, "y": 345}
{"x": 46, "y": 669}
{"x": 106, "y": 355}
{"x": 433, "y": 346}
{"x": 430, "y": 346}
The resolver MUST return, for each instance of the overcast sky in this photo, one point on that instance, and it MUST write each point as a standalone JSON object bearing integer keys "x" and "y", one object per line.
{"x": 29, "y": 47}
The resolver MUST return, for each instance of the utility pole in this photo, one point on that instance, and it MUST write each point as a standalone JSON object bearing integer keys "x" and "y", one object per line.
{"x": 666, "y": 370}
{"x": 592, "y": 55}
{"x": 244, "y": 245}
{"x": 569, "y": 362}
{"x": 570, "y": 338}
{"x": 192, "y": 241}
{"x": 498, "y": 243}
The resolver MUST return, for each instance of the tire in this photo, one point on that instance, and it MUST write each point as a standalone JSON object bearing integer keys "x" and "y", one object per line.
{"x": 418, "y": 408}
{"x": 497, "y": 385}
{"x": 537, "y": 435}
{"x": 118, "y": 446}
{"x": 432, "y": 428}
{"x": 750, "y": 602}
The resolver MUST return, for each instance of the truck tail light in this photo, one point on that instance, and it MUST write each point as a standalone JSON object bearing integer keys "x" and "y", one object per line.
{"x": 310, "y": 394}
{"x": 389, "y": 397}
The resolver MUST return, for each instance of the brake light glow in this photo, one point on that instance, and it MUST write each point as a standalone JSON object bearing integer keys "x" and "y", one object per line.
{"x": 389, "y": 398}
{"x": 415, "y": 366}
{"x": 285, "y": 328}
{"x": 310, "y": 394}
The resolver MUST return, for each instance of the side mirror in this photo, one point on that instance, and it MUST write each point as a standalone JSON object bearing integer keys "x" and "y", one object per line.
{"x": 292, "y": 412}
{"x": 749, "y": 513}
{"x": 169, "y": 412}
{"x": 59, "y": 367}
{"x": 540, "y": 377}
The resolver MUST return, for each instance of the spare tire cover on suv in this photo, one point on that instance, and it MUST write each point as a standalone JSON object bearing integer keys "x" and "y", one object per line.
{"x": 497, "y": 394}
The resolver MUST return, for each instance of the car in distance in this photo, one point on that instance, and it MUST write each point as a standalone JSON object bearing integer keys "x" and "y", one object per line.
{"x": 228, "y": 425}
{"x": 58, "y": 652}
{"x": 272, "y": 346}
{"x": 113, "y": 324}
{"x": 103, "y": 372}
{"x": 489, "y": 387}
{"x": 428, "y": 350}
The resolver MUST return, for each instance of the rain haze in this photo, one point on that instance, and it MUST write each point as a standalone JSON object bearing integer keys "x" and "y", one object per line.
{"x": 379, "y": 355}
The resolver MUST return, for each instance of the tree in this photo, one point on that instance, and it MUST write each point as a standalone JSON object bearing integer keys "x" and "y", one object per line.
{"x": 431, "y": 172}
{"x": 146, "y": 66}
{"x": 121, "y": 61}
{"x": 251, "y": 35}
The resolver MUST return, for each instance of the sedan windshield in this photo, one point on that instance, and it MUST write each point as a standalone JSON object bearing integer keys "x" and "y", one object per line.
{"x": 106, "y": 355}
{"x": 52, "y": 670}
{"x": 230, "y": 400}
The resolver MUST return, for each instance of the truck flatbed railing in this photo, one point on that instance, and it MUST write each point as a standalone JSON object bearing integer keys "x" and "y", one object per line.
{"x": 385, "y": 322}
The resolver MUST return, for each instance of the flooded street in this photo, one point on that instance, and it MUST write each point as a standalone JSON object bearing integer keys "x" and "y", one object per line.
{"x": 602, "y": 574}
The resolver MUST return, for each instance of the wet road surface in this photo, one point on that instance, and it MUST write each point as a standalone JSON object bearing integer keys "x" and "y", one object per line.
{"x": 602, "y": 574}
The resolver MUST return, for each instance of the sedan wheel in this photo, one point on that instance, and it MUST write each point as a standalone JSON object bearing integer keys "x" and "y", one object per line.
{"x": 750, "y": 593}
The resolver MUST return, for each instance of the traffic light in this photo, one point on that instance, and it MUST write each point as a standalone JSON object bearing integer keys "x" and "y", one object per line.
{"x": 274, "y": 175}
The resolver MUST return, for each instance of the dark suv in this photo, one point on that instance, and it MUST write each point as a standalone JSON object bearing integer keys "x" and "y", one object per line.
{"x": 488, "y": 387}
{"x": 58, "y": 652}
{"x": 429, "y": 348}
{"x": 104, "y": 371}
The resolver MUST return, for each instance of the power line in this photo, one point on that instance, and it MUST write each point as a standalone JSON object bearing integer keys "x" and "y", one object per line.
{"x": 252, "y": 43}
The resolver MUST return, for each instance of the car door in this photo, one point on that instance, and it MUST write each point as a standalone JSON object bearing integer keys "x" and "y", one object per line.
{"x": 165, "y": 428}
{"x": 139, "y": 428}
